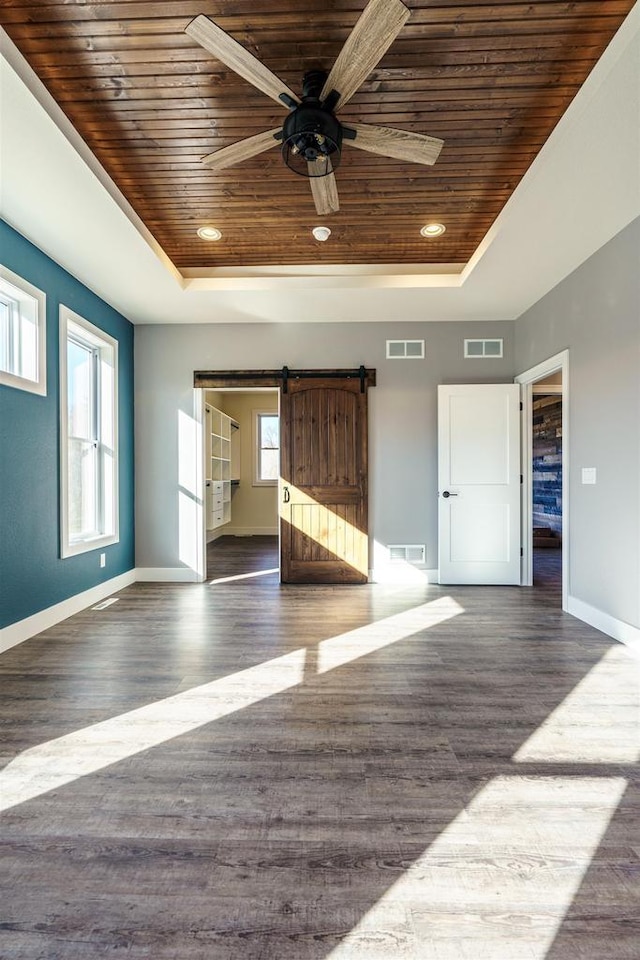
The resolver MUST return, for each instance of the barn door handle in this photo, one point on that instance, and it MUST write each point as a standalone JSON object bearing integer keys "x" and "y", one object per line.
{"x": 286, "y": 496}
{"x": 447, "y": 494}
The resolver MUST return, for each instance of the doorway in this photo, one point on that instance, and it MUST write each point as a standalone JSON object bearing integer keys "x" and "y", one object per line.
{"x": 322, "y": 476}
{"x": 546, "y": 486}
{"x": 545, "y": 394}
{"x": 322, "y": 483}
{"x": 241, "y": 451}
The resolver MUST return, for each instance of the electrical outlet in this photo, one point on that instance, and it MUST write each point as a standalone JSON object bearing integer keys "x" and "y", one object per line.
{"x": 103, "y": 559}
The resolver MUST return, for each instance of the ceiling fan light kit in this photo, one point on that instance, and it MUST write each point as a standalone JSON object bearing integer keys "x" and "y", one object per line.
{"x": 311, "y": 136}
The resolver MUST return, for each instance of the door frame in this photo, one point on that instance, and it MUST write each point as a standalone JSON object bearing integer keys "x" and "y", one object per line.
{"x": 557, "y": 363}
{"x": 201, "y": 468}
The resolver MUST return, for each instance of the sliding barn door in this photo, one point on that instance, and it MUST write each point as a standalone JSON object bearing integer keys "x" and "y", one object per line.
{"x": 323, "y": 485}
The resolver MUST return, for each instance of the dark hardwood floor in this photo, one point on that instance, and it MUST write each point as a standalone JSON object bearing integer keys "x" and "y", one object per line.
{"x": 237, "y": 770}
{"x": 253, "y": 558}
{"x": 547, "y": 572}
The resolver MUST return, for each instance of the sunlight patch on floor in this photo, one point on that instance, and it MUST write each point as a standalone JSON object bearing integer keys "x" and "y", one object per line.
{"x": 55, "y": 763}
{"x": 243, "y": 576}
{"x": 500, "y": 878}
{"x": 597, "y": 722}
{"x": 58, "y": 762}
{"x": 358, "y": 643}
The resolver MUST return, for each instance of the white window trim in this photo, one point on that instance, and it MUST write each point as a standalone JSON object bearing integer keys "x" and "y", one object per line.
{"x": 257, "y": 482}
{"x": 39, "y": 385}
{"x": 99, "y": 338}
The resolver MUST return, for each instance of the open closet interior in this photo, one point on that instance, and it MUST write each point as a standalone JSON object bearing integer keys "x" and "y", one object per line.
{"x": 241, "y": 500}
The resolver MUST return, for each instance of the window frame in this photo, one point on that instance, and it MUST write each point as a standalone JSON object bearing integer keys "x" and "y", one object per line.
{"x": 104, "y": 350}
{"x": 257, "y": 448}
{"x": 27, "y": 291}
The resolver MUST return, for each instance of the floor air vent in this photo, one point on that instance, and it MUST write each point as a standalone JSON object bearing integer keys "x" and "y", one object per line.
{"x": 105, "y": 603}
{"x": 407, "y": 552}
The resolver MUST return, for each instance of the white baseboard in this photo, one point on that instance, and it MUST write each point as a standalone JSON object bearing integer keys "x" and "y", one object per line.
{"x": 618, "y": 629}
{"x": 232, "y": 531}
{"x": 17, "y": 632}
{"x": 166, "y": 575}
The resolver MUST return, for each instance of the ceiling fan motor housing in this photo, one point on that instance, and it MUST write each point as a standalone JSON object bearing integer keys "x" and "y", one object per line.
{"x": 312, "y": 135}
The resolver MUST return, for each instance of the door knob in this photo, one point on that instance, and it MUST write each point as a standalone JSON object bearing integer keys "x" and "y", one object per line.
{"x": 286, "y": 496}
{"x": 446, "y": 494}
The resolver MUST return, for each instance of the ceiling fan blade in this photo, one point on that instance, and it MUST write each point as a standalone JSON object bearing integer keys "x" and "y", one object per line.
{"x": 378, "y": 26}
{"x": 209, "y": 35}
{"x": 325, "y": 194}
{"x": 401, "y": 144}
{"x": 242, "y": 150}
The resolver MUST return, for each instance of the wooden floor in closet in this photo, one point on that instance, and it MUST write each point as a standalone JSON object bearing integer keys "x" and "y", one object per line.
{"x": 237, "y": 770}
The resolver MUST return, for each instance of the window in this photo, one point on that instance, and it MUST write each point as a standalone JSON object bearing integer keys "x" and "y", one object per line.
{"x": 23, "y": 353}
{"x": 89, "y": 448}
{"x": 267, "y": 447}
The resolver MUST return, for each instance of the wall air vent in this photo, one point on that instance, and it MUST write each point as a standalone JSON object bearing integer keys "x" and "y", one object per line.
{"x": 483, "y": 348}
{"x": 405, "y": 349}
{"x": 407, "y": 552}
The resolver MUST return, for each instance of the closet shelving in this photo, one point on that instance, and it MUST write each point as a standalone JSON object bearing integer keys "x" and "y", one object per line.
{"x": 218, "y": 431}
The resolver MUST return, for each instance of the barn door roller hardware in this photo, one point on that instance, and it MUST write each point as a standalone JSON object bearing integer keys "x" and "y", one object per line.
{"x": 362, "y": 373}
{"x": 218, "y": 379}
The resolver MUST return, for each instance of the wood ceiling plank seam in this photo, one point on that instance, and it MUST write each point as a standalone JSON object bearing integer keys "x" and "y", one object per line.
{"x": 173, "y": 29}
{"x": 477, "y": 73}
{"x": 450, "y": 57}
{"x": 400, "y": 89}
{"x": 78, "y": 94}
{"x": 427, "y": 12}
{"x": 419, "y": 48}
{"x": 219, "y": 9}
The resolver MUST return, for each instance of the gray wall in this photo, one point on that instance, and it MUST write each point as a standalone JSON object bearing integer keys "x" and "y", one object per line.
{"x": 403, "y": 452}
{"x": 595, "y": 313}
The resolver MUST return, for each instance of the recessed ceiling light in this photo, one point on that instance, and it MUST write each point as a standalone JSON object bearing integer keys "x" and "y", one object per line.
{"x": 209, "y": 233}
{"x": 433, "y": 230}
{"x": 321, "y": 233}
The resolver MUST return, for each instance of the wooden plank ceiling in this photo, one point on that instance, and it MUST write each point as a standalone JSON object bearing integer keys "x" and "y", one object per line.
{"x": 490, "y": 79}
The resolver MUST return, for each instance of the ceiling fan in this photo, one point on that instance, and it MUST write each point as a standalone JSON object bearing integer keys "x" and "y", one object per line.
{"x": 311, "y": 137}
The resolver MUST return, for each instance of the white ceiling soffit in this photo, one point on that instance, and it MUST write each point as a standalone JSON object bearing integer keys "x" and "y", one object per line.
{"x": 582, "y": 189}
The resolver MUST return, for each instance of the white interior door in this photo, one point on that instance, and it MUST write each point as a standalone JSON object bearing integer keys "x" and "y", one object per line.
{"x": 479, "y": 483}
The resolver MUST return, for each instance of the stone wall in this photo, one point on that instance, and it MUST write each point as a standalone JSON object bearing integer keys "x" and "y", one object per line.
{"x": 547, "y": 463}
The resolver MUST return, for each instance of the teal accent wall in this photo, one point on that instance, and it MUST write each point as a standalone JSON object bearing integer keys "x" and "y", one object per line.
{"x": 32, "y": 574}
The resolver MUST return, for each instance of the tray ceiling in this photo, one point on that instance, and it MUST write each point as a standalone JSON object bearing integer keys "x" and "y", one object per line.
{"x": 490, "y": 79}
